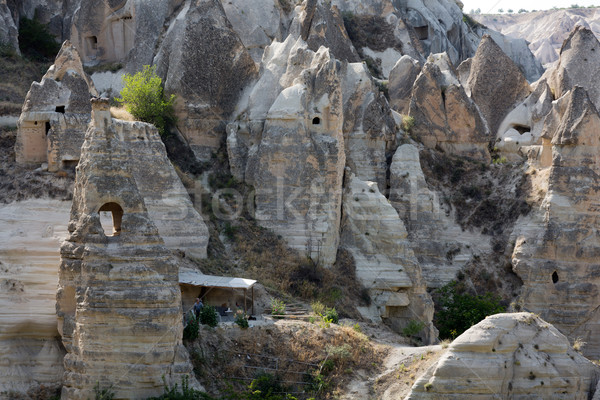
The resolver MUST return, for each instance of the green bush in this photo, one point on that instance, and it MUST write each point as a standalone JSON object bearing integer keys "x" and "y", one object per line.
{"x": 331, "y": 315}
{"x": 277, "y": 307}
{"x": 144, "y": 98}
{"x": 36, "y": 41}
{"x": 408, "y": 123}
{"x": 241, "y": 320}
{"x": 458, "y": 310}
{"x": 413, "y": 328}
{"x": 190, "y": 332}
{"x": 186, "y": 392}
{"x": 208, "y": 316}
{"x": 267, "y": 387}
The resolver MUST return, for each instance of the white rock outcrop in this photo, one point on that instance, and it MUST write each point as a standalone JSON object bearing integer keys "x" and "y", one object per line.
{"x": 510, "y": 356}
{"x": 385, "y": 264}
{"x": 30, "y": 236}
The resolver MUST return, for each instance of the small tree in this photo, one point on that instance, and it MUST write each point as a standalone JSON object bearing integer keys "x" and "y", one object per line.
{"x": 208, "y": 316}
{"x": 144, "y": 98}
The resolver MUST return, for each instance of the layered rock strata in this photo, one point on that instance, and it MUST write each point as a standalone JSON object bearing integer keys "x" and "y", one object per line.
{"x": 515, "y": 356}
{"x": 55, "y": 113}
{"x": 557, "y": 246}
{"x": 31, "y": 351}
{"x": 118, "y": 300}
{"x": 385, "y": 264}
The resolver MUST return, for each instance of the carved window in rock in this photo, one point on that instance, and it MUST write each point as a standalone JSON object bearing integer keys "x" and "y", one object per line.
{"x": 554, "y": 277}
{"x": 316, "y": 121}
{"x": 111, "y": 215}
{"x": 422, "y": 32}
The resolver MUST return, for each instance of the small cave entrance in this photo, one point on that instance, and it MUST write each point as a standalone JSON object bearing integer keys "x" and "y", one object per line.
{"x": 111, "y": 215}
{"x": 60, "y": 109}
{"x": 316, "y": 121}
{"x": 92, "y": 42}
{"x": 521, "y": 128}
{"x": 554, "y": 277}
{"x": 422, "y": 32}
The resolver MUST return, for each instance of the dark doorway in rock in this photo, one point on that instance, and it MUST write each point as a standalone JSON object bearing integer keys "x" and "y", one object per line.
{"x": 422, "y": 32}
{"x": 554, "y": 277}
{"x": 316, "y": 121}
{"x": 60, "y": 109}
{"x": 111, "y": 222}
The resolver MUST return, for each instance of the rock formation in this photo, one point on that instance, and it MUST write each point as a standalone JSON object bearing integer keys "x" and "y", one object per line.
{"x": 55, "y": 113}
{"x": 492, "y": 73}
{"x": 9, "y": 35}
{"x": 556, "y": 247}
{"x": 513, "y": 356}
{"x": 204, "y": 62}
{"x": 441, "y": 246}
{"x": 445, "y": 117}
{"x": 118, "y": 301}
{"x": 579, "y": 61}
{"x": 369, "y": 128}
{"x": 297, "y": 164}
{"x": 402, "y": 79}
{"x": 385, "y": 264}
{"x": 30, "y": 236}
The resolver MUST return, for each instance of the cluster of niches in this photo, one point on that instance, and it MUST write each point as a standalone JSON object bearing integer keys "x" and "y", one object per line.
{"x": 111, "y": 216}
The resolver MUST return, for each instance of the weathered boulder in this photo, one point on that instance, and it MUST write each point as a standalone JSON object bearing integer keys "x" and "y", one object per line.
{"x": 369, "y": 127}
{"x": 445, "y": 117}
{"x": 204, "y": 62}
{"x": 495, "y": 83}
{"x": 118, "y": 300}
{"x": 401, "y": 81}
{"x": 556, "y": 248}
{"x": 579, "y": 61}
{"x": 385, "y": 264}
{"x": 515, "y": 356}
{"x": 297, "y": 159}
{"x": 55, "y": 113}
{"x": 30, "y": 236}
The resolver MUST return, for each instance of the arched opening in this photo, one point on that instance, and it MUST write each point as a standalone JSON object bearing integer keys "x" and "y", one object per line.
{"x": 554, "y": 277}
{"x": 316, "y": 121}
{"x": 111, "y": 215}
{"x": 521, "y": 128}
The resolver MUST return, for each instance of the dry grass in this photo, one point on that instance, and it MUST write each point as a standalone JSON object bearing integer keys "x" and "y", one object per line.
{"x": 297, "y": 350}
{"x": 121, "y": 113}
{"x": 17, "y": 75}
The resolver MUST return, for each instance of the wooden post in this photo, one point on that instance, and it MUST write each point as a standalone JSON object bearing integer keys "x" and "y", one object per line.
{"x": 252, "y": 300}
{"x": 245, "y": 308}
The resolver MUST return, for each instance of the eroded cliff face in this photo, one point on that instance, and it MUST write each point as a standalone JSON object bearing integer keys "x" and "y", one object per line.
{"x": 31, "y": 352}
{"x": 118, "y": 301}
{"x": 556, "y": 247}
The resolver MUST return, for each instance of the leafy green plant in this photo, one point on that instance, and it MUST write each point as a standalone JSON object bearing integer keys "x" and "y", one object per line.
{"x": 413, "y": 328}
{"x": 241, "y": 320}
{"x": 190, "y": 332}
{"x": 103, "y": 393}
{"x": 408, "y": 123}
{"x": 458, "y": 310}
{"x": 144, "y": 98}
{"x": 185, "y": 393}
{"x": 208, "y": 316}
{"x": 331, "y": 314}
{"x": 36, "y": 41}
{"x": 277, "y": 307}
{"x": 267, "y": 387}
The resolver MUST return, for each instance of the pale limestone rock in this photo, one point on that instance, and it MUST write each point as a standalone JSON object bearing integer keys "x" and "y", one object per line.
{"x": 579, "y": 62}
{"x": 118, "y": 300}
{"x": 168, "y": 203}
{"x": 556, "y": 248}
{"x": 55, "y": 113}
{"x": 511, "y": 356}
{"x": 385, "y": 264}
{"x": 297, "y": 163}
{"x": 402, "y": 79}
{"x": 369, "y": 128}
{"x": 30, "y": 236}
{"x": 320, "y": 24}
{"x": 492, "y": 72}
{"x": 204, "y": 62}
{"x": 522, "y": 127}
{"x": 445, "y": 116}
{"x": 257, "y": 23}
{"x": 432, "y": 229}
